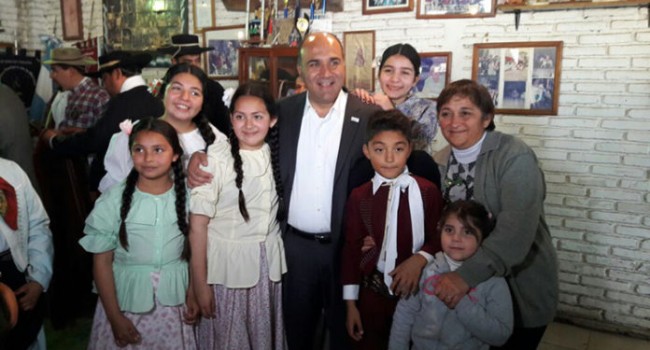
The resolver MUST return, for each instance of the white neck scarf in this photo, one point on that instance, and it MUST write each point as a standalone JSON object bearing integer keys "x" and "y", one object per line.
{"x": 416, "y": 206}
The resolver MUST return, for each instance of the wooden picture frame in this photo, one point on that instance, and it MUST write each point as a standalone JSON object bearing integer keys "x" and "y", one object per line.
{"x": 522, "y": 77}
{"x": 435, "y": 74}
{"x": 203, "y": 15}
{"x": 223, "y": 61}
{"x": 438, "y": 9}
{"x": 372, "y": 7}
{"x": 71, "y": 20}
{"x": 359, "y": 49}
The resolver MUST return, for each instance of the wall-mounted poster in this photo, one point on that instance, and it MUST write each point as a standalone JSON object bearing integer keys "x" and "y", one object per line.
{"x": 136, "y": 25}
{"x": 522, "y": 77}
{"x": 359, "y": 53}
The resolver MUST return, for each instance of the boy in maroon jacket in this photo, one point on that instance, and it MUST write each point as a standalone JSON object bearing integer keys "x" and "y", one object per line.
{"x": 393, "y": 217}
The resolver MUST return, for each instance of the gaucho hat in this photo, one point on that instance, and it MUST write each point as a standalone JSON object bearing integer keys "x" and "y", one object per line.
{"x": 184, "y": 44}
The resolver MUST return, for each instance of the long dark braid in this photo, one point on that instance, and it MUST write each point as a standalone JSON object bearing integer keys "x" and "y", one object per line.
{"x": 199, "y": 120}
{"x": 273, "y": 139}
{"x": 181, "y": 201}
{"x": 169, "y": 133}
{"x": 239, "y": 179}
{"x": 127, "y": 196}
{"x": 262, "y": 92}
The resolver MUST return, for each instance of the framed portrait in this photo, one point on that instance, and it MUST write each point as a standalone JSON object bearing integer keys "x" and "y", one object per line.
{"x": 71, "y": 20}
{"x": 428, "y": 9}
{"x": 223, "y": 61}
{"x": 371, "y": 7}
{"x": 204, "y": 14}
{"x": 522, "y": 77}
{"x": 435, "y": 74}
{"x": 359, "y": 54}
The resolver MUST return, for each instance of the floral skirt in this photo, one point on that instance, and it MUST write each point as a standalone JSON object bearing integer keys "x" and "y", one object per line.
{"x": 160, "y": 328}
{"x": 246, "y": 318}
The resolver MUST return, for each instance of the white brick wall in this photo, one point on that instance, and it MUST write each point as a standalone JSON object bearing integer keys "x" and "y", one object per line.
{"x": 595, "y": 152}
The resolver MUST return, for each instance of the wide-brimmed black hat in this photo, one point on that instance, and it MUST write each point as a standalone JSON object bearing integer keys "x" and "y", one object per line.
{"x": 184, "y": 44}
{"x": 121, "y": 59}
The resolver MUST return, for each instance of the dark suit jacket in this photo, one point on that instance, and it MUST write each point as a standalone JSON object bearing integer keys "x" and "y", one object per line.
{"x": 133, "y": 104}
{"x": 290, "y": 114}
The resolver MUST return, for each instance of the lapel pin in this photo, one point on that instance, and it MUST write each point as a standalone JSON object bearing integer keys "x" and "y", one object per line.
{"x": 354, "y": 119}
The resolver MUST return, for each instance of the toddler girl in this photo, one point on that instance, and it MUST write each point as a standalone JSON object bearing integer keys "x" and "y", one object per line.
{"x": 482, "y": 318}
{"x": 137, "y": 232}
{"x": 237, "y": 252}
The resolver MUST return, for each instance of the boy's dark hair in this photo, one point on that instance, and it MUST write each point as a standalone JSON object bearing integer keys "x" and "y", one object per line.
{"x": 471, "y": 214}
{"x": 169, "y": 133}
{"x": 272, "y": 138}
{"x": 200, "y": 119}
{"x": 392, "y": 120}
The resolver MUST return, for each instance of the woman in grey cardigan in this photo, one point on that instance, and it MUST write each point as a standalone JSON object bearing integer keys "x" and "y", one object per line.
{"x": 501, "y": 172}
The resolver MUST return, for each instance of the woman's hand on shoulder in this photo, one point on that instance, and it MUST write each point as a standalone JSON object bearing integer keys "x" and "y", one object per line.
{"x": 451, "y": 288}
{"x": 383, "y": 101}
{"x": 363, "y": 95}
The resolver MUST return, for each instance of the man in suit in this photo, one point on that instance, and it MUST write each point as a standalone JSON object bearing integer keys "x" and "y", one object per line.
{"x": 321, "y": 138}
{"x": 130, "y": 99}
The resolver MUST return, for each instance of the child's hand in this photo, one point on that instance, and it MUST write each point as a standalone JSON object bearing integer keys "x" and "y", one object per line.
{"x": 124, "y": 332}
{"x": 191, "y": 312}
{"x": 205, "y": 299}
{"x": 28, "y": 295}
{"x": 383, "y": 101}
{"x": 368, "y": 243}
{"x": 451, "y": 288}
{"x": 407, "y": 275}
{"x": 195, "y": 176}
{"x": 363, "y": 95}
{"x": 353, "y": 321}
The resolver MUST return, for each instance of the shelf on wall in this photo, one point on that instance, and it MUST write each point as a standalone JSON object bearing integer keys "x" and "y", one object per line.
{"x": 569, "y": 5}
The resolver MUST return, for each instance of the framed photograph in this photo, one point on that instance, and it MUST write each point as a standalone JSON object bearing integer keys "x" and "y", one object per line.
{"x": 223, "y": 61}
{"x": 204, "y": 14}
{"x": 71, "y": 20}
{"x": 522, "y": 77}
{"x": 371, "y": 7}
{"x": 435, "y": 74}
{"x": 428, "y": 9}
{"x": 359, "y": 54}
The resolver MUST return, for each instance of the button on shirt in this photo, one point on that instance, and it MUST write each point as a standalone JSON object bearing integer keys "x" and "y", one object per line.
{"x": 318, "y": 147}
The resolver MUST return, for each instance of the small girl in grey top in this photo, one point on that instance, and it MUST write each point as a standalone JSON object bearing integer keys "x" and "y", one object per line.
{"x": 482, "y": 318}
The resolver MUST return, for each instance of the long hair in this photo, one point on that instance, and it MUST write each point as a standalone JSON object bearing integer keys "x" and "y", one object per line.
{"x": 272, "y": 138}
{"x": 200, "y": 120}
{"x": 169, "y": 133}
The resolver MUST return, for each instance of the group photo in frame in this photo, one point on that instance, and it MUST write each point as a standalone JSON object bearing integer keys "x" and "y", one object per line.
{"x": 432, "y": 9}
{"x": 359, "y": 49}
{"x": 204, "y": 14}
{"x": 522, "y": 77}
{"x": 223, "y": 61}
{"x": 435, "y": 74}
{"x": 371, "y": 7}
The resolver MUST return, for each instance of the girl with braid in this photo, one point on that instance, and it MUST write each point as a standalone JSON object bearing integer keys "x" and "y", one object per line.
{"x": 138, "y": 235}
{"x": 237, "y": 251}
{"x": 183, "y": 87}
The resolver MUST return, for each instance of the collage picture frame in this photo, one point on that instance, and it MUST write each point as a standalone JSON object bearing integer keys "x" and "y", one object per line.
{"x": 522, "y": 77}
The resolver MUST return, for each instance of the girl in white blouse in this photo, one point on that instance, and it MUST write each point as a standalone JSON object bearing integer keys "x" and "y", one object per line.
{"x": 237, "y": 252}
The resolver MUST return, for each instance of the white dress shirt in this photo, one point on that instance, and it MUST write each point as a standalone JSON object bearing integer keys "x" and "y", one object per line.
{"x": 310, "y": 208}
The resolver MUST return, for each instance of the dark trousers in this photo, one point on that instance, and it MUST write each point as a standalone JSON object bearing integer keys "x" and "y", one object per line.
{"x": 376, "y": 318}
{"x": 311, "y": 290}
{"x": 523, "y": 339}
{"x": 29, "y": 322}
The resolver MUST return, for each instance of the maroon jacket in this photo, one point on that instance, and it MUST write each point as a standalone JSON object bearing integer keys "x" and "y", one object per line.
{"x": 366, "y": 215}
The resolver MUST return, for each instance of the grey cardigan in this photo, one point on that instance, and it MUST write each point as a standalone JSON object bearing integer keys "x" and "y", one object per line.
{"x": 510, "y": 184}
{"x": 481, "y": 318}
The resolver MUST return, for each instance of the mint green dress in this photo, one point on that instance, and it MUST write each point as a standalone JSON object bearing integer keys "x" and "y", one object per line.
{"x": 151, "y": 278}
